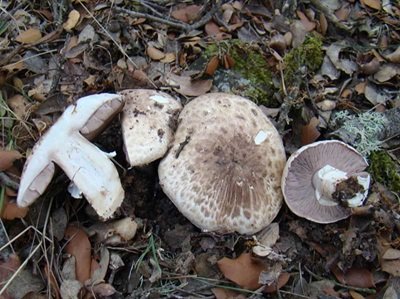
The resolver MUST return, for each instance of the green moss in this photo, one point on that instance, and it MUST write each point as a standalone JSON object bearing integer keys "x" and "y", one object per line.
{"x": 308, "y": 55}
{"x": 250, "y": 75}
{"x": 384, "y": 170}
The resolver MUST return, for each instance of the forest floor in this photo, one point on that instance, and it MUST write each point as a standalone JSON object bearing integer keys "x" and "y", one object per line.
{"x": 318, "y": 69}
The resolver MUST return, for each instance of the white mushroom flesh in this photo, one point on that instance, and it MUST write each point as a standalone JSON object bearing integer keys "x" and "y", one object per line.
{"x": 87, "y": 166}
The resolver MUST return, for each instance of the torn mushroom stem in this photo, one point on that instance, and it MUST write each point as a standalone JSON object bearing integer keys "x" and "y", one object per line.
{"x": 326, "y": 181}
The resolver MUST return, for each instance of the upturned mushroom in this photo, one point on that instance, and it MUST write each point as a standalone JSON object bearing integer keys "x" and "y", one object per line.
{"x": 322, "y": 180}
{"x": 224, "y": 167}
{"x": 148, "y": 124}
{"x": 89, "y": 168}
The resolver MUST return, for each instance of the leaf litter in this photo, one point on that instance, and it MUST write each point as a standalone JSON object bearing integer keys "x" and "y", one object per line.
{"x": 53, "y": 54}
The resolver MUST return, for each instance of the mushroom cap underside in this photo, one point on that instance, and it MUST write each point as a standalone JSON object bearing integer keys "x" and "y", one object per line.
{"x": 224, "y": 167}
{"x": 297, "y": 178}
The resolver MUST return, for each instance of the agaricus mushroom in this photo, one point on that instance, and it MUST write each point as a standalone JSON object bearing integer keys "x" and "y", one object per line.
{"x": 148, "y": 124}
{"x": 224, "y": 167}
{"x": 323, "y": 179}
{"x": 89, "y": 168}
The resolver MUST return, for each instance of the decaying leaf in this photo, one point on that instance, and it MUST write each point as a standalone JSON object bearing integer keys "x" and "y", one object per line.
{"x": 343, "y": 64}
{"x": 387, "y": 72}
{"x": 19, "y": 105}
{"x": 309, "y": 132}
{"x": 7, "y": 159}
{"x": 12, "y": 211}
{"x": 29, "y": 36}
{"x": 391, "y": 254}
{"x": 188, "y": 87}
{"x": 154, "y": 53}
{"x": 187, "y": 14}
{"x": 375, "y": 4}
{"x": 394, "y": 56}
{"x": 221, "y": 293}
{"x": 356, "y": 277}
{"x": 234, "y": 269}
{"x": 79, "y": 246}
{"x": 275, "y": 286}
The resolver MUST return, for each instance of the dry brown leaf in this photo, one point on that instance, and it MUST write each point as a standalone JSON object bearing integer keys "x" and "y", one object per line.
{"x": 387, "y": 72}
{"x": 7, "y": 268}
{"x": 323, "y": 22}
{"x": 19, "y": 105}
{"x": 214, "y": 31}
{"x": 29, "y": 36}
{"x": 79, "y": 246}
{"x": 103, "y": 290}
{"x": 12, "y": 211}
{"x": 244, "y": 270}
{"x": 391, "y": 254}
{"x": 375, "y": 4}
{"x": 343, "y": 12}
{"x": 308, "y": 25}
{"x": 394, "y": 56}
{"x": 282, "y": 281}
{"x": 356, "y": 295}
{"x": 169, "y": 57}
{"x": 187, "y": 14}
{"x": 221, "y": 293}
{"x": 212, "y": 66}
{"x": 360, "y": 87}
{"x": 310, "y": 133}
{"x": 391, "y": 266}
{"x": 72, "y": 21}
{"x": 154, "y": 53}
{"x": 188, "y": 87}
{"x": 7, "y": 159}
{"x": 356, "y": 277}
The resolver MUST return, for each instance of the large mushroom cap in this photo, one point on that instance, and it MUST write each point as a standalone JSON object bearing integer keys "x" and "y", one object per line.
{"x": 224, "y": 168}
{"x": 297, "y": 178}
{"x": 148, "y": 120}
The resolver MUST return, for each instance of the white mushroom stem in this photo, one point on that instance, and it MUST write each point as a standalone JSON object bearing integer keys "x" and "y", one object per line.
{"x": 89, "y": 168}
{"x": 325, "y": 182}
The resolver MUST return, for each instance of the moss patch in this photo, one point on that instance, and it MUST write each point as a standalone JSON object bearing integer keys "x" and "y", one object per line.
{"x": 384, "y": 170}
{"x": 309, "y": 55}
{"x": 250, "y": 75}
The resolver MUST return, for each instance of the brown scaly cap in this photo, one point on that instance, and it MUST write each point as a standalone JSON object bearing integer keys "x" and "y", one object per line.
{"x": 224, "y": 167}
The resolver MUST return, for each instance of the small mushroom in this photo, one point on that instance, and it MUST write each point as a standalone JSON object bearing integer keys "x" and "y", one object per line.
{"x": 322, "y": 180}
{"x": 224, "y": 167}
{"x": 148, "y": 124}
{"x": 89, "y": 168}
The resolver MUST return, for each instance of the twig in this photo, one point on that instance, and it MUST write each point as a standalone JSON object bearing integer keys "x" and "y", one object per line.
{"x": 176, "y": 24}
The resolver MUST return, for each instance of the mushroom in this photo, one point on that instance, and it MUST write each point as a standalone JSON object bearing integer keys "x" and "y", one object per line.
{"x": 224, "y": 167}
{"x": 148, "y": 124}
{"x": 323, "y": 179}
{"x": 87, "y": 166}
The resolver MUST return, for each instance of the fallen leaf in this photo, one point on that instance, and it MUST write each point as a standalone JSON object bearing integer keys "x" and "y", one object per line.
{"x": 394, "y": 56}
{"x": 7, "y": 159}
{"x": 169, "y": 57}
{"x": 188, "y": 87}
{"x": 154, "y": 53}
{"x": 29, "y": 36}
{"x": 79, "y": 246}
{"x": 214, "y": 31}
{"x": 12, "y": 211}
{"x": 72, "y": 21}
{"x": 221, "y": 293}
{"x": 244, "y": 270}
{"x": 391, "y": 254}
{"x": 323, "y": 24}
{"x": 387, "y": 72}
{"x": 308, "y": 25}
{"x": 375, "y": 4}
{"x": 19, "y": 105}
{"x": 187, "y": 14}
{"x": 356, "y": 277}
{"x": 102, "y": 290}
{"x": 391, "y": 266}
{"x": 360, "y": 87}
{"x": 212, "y": 66}
{"x": 309, "y": 132}
{"x": 356, "y": 295}
{"x": 282, "y": 281}
{"x": 7, "y": 268}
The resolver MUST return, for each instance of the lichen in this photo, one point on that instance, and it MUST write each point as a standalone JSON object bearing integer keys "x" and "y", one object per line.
{"x": 365, "y": 126}
{"x": 250, "y": 75}
{"x": 308, "y": 56}
{"x": 384, "y": 170}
